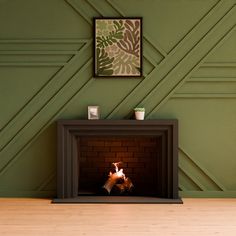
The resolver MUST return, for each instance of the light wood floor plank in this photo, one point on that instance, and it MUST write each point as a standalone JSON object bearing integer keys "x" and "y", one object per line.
{"x": 35, "y": 217}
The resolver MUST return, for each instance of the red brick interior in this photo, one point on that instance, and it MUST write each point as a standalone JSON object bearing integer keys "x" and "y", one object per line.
{"x": 137, "y": 154}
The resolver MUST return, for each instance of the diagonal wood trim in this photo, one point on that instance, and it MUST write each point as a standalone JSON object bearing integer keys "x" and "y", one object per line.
{"x": 169, "y": 90}
{"x": 156, "y": 46}
{"x": 79, "y": 9}
{"x": 40, "y": 99}
{"x": 147, "y": 37}
{"x": 193, "y": 181}
{"x": 181, "y": 187}
{"x": 104, "y": 7}
{"x": 181, "y": 52}
{"x": 152, "y": 53}
{"x": 210, "y": 14}
{"x": 204, "y": 171}
{"x": 44, "y": 117}
{"x": 31, "y": 131}
{"x": 48, "y": 179}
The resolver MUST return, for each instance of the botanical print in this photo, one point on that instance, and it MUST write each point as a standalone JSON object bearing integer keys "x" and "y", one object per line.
{"x": 118, "y": 47}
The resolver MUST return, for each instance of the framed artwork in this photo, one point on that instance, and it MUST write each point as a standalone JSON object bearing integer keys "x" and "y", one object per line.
{"x": 93, "y": 112}
{"x": 118, "y": 47}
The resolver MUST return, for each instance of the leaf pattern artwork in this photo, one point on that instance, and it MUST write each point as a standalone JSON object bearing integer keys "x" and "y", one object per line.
{"x": 125, "y": 63}
{"x": 104, "y": 63}
{"x": 112, "y": 37}
{"x": 130, "y": 41}
{"x": 118, "y": 47}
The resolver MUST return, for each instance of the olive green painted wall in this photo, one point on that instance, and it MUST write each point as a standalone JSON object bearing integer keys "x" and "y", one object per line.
{"x": 46, "y": 74}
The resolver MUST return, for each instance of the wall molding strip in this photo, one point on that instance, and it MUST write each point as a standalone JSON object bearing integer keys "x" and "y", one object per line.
{"x": 206, "y": 172}
{"x": 192, "y": 179}
{"x": 46, "y": 93}
{"x": 208, "y": 194}
{"x": 169, "y": 92}
{"x": 170, "y": 62}
{"x": 44, "y": 118}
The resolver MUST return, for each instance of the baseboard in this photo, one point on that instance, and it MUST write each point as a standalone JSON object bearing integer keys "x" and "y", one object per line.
{"x": 206, "y": 194}
{"x": 22, "y": 193}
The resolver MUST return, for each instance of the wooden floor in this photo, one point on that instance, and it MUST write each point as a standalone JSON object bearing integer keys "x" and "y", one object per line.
{"x": 202, "y": 217}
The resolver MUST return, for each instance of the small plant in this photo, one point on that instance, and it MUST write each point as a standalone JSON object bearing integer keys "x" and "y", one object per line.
{"x": 139, "y": 113}
{"x": 139, "y": 109}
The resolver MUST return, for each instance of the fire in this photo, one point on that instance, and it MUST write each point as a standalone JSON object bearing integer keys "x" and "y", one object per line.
{"x": 118, "y": 181}
{"x": 120, "y": 172}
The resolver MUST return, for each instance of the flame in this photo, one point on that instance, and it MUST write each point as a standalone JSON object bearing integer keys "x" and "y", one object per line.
{"x": 120, "y": 172}
{"x": 114, "y": 180}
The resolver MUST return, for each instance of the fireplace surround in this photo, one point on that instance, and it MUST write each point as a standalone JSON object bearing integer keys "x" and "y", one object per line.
{"x": 86, "y": 149}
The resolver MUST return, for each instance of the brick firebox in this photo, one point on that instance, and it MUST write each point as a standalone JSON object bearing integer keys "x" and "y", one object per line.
{"x": 138, "y": 157}
{"x": 148, "y": 150}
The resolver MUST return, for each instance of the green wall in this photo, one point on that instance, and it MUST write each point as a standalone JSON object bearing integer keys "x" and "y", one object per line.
{"x": 46, "y": 74}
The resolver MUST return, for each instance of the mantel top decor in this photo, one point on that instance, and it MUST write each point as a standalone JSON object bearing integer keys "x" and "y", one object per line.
{"x": 118, "y": 47}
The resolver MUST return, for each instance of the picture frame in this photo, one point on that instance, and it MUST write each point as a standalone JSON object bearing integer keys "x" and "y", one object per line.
{"x": 118, "y": 47}
{"x": 93, "y": 113}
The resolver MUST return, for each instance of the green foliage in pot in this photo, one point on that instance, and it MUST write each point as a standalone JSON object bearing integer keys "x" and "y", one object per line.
{"x": 139, "y": 109}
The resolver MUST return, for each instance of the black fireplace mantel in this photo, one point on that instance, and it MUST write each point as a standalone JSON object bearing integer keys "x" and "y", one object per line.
{"x": 68, "y": 132}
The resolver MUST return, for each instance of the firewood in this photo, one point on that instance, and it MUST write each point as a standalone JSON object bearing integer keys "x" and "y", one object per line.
{"x": 117, "y": 182}
{"x": 126, "y": 186}
{"x": 112, "y": 180}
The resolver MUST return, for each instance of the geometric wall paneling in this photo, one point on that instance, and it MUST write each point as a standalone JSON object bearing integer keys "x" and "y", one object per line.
{"x": 171, "y": 73}
{"x": 42, "y": 46}
{"x": 40, "y": 108}
{"x": 31, "y": 60}
{"x": 204, "y": 95}
{"x": 23, "y": 78}
{"x": 151, "y": 48}
{"x": 29, "y": 175}
{"x": 208, "y": 133}
{"x": 154, "y": 50}
{"x": 177, "y": 78}
{"x": 208, "y": 86}
{"x": 45, "y": 94}
{"x": 186, "y": 64}
{"x": 217, "y": 70}
{"x": 84, "y": 9}
{"x": 198, "y": 174}
{"x": 186, "y": 183}
{"x": 104, "y": 8}
{"x": 147, "y": 67}
{"x": 153, "y": 54}
{"x": 225, "y": 53}
{"x": 160, "y": 16}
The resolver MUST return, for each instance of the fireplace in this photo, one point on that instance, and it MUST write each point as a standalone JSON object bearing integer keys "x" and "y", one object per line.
{"x": 145, "y": 151}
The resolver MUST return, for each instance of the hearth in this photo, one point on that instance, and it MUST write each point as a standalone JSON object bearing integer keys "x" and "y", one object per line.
{"x": 117, "y": 161}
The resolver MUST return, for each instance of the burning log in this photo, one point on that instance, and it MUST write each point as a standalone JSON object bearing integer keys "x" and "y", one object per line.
{"x": 112, "y": 180}
{"x": 127, "y": 185}
{"x": 118, "y": 181}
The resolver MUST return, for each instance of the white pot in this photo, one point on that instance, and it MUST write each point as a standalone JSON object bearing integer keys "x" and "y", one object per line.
{"x": 139, "y": 115}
